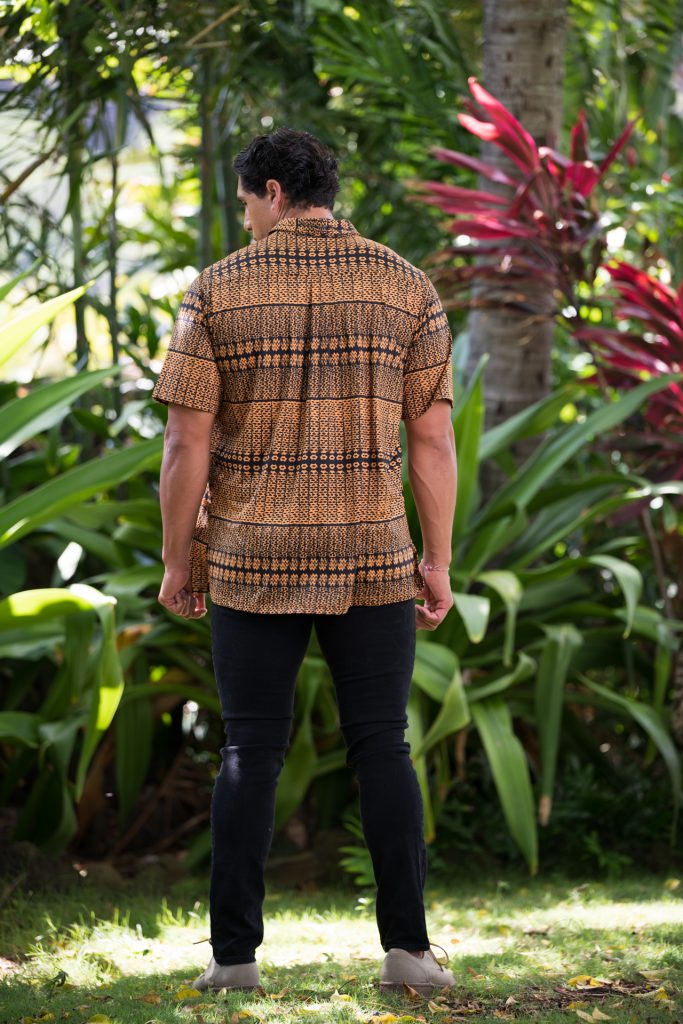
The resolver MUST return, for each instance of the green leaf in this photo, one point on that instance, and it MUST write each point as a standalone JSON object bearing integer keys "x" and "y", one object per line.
{"x": 434, "y": 667}
{"x": 629, "y": 580}
{"x": 474, "y": 611}
{"x": 510, "y": 773}
{"x": 18, "y": 331}
{"x": 20, "y": 727}
{"x": 467, "y": 425}
{"x": 23, "y": 418}
{"x": 553, "y": 454}
{"x": 523, "y": 670}
{"x": 652, "y": 723}
{"x": 415, "y": 738}
{"x": 134, "y": 732}
{"x": 30, "y": 606}
{"x": 453, "y": 715}
{"x": 28, "y": 512}
{"x": 108, "y": 683}
{"x": 302, "y": 756}
{"x": 509, "y": 589}
{"x": 549, "y": 701}
{"x": 534, "y": 420}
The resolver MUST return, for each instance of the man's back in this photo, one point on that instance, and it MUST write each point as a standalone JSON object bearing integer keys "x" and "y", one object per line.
{"x": 310, "y": 346}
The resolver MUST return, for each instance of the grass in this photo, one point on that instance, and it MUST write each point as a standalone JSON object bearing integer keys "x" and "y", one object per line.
{"x": 516, "y": 945}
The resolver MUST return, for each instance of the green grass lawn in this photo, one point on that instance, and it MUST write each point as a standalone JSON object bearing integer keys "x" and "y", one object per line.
{"x": 517, "y": 947}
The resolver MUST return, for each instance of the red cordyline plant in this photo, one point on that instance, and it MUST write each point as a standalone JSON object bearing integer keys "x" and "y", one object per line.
{"x": 627, "y": 357}
{"x": 541, "y": 223}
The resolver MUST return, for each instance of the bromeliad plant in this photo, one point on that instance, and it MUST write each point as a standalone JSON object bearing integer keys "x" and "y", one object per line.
{"x": 649, "y": 345}
{"x": 540, "y": 221}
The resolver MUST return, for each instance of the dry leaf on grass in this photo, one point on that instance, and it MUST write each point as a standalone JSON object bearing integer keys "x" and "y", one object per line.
{"x": 185, "y": 992}
{"x": 150, "y": 997}
{"x": 435, "y": 1008}
{"x": 279, "y": 995}
{"x": 340, "y": 997}
{"x": 411, "y": 992}
{"x": 587, "y": 981}
{"x": 595, "y": 1015}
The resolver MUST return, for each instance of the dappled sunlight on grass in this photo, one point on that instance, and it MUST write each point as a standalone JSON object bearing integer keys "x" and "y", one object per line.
{"x": 516, "y": 950}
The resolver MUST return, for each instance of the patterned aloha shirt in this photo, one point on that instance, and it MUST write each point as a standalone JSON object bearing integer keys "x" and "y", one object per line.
{"x": 309, "y": 346}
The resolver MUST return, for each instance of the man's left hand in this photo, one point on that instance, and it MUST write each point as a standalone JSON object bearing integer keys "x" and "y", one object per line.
{"x": 176, "y": 595}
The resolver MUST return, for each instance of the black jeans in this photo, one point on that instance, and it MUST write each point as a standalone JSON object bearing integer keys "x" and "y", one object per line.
{"x": 370, "y": 650}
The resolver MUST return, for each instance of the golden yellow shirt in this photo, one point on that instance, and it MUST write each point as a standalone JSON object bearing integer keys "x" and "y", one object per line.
{"x": 310, "y": 346}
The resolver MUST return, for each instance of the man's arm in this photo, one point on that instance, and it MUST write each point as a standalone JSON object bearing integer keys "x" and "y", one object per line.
{"x": 184, "y": 475}
{"x": 433, "y": 476}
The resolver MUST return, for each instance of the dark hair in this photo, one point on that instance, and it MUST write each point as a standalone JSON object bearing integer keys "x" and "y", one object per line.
{"x": 305, "y": 168}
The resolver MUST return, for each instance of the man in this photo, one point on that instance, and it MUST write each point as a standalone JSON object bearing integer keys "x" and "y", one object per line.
{"x": 291, "y": 364}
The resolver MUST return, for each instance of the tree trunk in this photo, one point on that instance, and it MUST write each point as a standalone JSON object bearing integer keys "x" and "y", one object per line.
{"x": 523, "y": 68}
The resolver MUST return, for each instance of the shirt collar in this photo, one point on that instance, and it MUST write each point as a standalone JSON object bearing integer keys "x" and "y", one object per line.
{"x": 322, "y": 227}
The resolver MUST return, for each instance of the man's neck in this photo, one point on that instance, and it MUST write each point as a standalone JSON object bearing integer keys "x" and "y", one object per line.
{"x": 318, "y": 212}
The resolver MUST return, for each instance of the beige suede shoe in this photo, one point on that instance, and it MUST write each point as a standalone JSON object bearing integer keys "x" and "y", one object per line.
{"x": 424, "y": 974}
{"x": 230, "y": 976}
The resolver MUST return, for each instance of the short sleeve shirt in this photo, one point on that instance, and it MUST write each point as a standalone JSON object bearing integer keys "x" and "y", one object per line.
{"x": 309, "y": 346}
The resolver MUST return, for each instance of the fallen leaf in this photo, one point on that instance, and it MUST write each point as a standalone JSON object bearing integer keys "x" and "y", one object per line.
{"x": 185, "y": 992}
{"x": 150, "y": 997}
{"x": 340, "y": 997}
{"x": 435, "y": 1008}
{"x": 510, "y": 1001}
{"x": 672, "y": 884}
{"x": 349, "y": 977}
{"x": 279, "y": 995}
{"x": 587, "y": 981}
{"x": 385, "y": 1018}
{"x": 99, "y": 1018}
{"x": 576, "y": 1005}
{"x": 411, "y": 992}
{"x": 479, "y": 977}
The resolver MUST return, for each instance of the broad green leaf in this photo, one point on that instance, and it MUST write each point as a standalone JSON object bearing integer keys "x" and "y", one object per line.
{"x": 14, "y": 334}
{"x": 651, "y": 722}
{"x": 474, "y": 611}
{"x": 467, "y": 425}
{"x": 415, "y": 738}
{"x": 134, "y": 732}
{"x": 28, "y": 512}
{"x": 523, "y": 670}
{"x": 629, "y": 580}
{"x": 300, "y": 762}
{"x": 510, "y": 773}
{"x": 549, "y": 701}
{"x": 23, "y": 418}
{"x": 509, "y": 589}
{"x": 534, "y": 420}
{"x": 21, "y": 727}
{"x": 9, "y": 286}
{"x": 490, "y": 538}
{"x": 29, "y": 606}
{"x": 453, "y": 715}
{"x": 553, "y": 454}
{"x": 433, "y": 669}
{"x": 108, "y": 684}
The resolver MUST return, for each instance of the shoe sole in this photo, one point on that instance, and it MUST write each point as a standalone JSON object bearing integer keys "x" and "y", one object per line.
{"x": 425, "y": 988}
{"x": 232, "y": 988}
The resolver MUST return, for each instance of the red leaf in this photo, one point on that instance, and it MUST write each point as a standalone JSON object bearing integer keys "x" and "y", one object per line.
{"x": 456, "y": 192}
{"x": 617, "y": 147}
{"x": 488, "y": 227}
{"x": 506, "y": 121}
{"x": 486, "y": 170}
{"x": 579, "y": 137}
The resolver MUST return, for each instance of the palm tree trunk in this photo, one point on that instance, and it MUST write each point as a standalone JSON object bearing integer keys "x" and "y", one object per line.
{"x": 524, "y": 68}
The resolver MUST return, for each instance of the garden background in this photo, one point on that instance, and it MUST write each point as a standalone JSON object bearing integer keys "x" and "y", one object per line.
{"x": 546, "y": 716}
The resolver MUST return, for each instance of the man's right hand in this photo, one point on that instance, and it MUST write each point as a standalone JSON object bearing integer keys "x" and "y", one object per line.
{"x": 438, "y": 598}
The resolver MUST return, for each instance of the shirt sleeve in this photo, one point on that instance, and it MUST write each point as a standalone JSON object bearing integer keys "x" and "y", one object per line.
{"x": 190, "y": 375}
{"x": 427, "y": 371}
